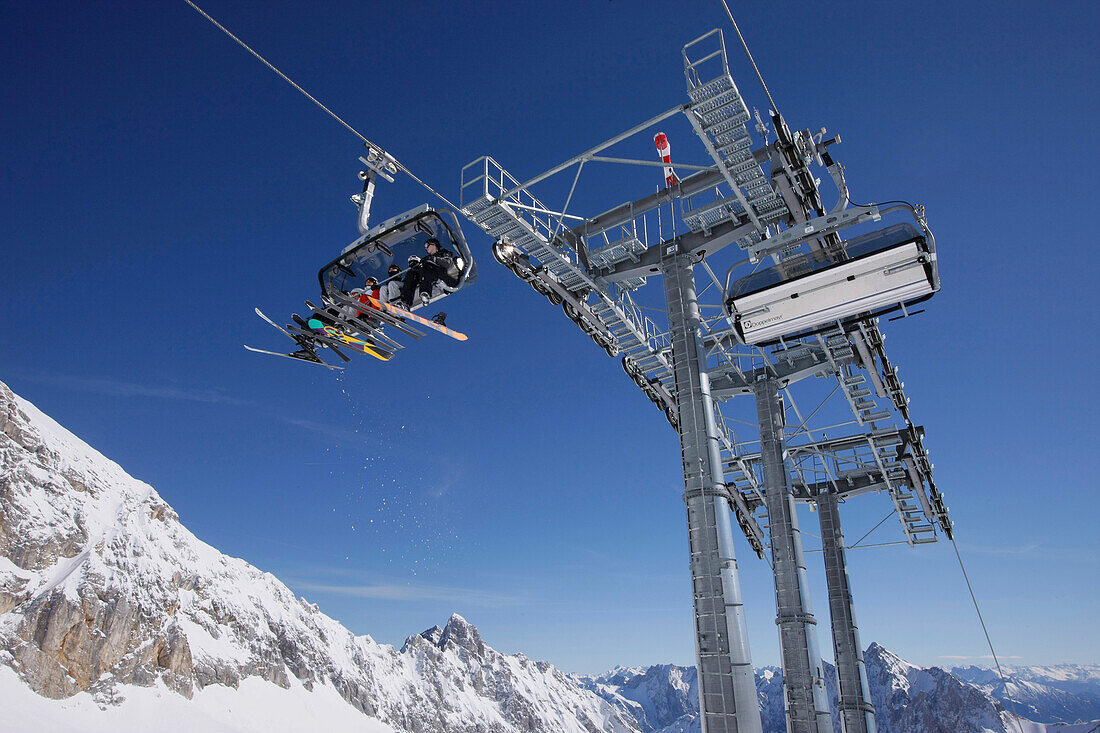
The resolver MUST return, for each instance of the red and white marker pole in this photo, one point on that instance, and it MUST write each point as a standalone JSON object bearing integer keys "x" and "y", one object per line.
{"x": 664, "y": 152}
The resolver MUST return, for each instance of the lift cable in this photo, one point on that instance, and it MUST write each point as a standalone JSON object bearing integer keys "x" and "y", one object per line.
{"x": 973, "y": 598}
{"x": 313, "y": 99}
{"x": 749, "y": 54}
{"x": 865, "y": 547}
{"x": 988, "y": 641}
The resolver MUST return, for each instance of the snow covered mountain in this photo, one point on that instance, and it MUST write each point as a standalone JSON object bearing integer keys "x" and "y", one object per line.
{"x": 113, "y": 616}
{"x": 664, "y": 699}
{"x": 103, "y": 591}
{"x": 1065, "y": 692}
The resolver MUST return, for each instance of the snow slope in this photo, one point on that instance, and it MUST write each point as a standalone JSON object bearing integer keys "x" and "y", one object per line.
{"x": 255, "y": 705}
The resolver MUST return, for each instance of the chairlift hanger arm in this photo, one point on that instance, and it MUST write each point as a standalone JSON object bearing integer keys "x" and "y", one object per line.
{"x": 790, "y": 154}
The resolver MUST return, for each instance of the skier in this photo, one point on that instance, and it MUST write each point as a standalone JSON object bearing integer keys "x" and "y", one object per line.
{"x": 370, "y": 291}
{"x": 435, "y": 267}
{"x": 391, "y": 286}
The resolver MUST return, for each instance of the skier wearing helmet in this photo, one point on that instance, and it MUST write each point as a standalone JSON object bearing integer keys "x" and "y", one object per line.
{"x": 438, "y": 265}
{"x": 391, "y": 286}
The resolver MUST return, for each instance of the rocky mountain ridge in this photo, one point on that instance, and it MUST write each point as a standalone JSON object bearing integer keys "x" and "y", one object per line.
{"x": 1062, "y": 693}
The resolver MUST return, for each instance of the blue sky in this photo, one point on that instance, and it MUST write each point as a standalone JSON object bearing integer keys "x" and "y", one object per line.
{"x": 160, "y": 183}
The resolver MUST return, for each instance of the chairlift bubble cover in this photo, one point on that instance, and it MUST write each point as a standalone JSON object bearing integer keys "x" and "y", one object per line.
{"x": 372, "y": 254}
{"x": 887, "y": 268}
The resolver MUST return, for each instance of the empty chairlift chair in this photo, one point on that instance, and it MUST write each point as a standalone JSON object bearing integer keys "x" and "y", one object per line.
{"x": 885, "y": 270}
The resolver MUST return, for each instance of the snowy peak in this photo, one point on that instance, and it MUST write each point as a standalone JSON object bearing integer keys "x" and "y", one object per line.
{"x": 457, "y": 634}
{"x": 462, "y": 634}
{"x": 432, "y": 636}
{"x": 888, "y": 661}
{"x": 663, "y": 697}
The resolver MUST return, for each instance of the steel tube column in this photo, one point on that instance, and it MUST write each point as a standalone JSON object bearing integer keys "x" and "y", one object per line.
{"x": 856, "y": 711}
{"x": 803, "y": 677}
{"x": 727, "y": 689}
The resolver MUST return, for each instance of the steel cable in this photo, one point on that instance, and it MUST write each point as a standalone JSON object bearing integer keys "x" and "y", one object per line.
{"x": 1000, "y": 673}
{"x": 313, "y": 99}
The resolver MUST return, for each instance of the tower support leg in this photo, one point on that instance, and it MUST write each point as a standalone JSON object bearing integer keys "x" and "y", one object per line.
{"x": 807, "y": 704}
{"x": 856, "y": 711}
{"x": 727, "y": 689}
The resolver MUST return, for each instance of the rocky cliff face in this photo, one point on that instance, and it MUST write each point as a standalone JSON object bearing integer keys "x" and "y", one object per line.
{"x": 101, "y": 586}
{"x": 907, "y": 697}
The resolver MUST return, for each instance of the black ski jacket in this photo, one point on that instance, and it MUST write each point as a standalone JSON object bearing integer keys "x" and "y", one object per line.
{"x": 444, "y": 261}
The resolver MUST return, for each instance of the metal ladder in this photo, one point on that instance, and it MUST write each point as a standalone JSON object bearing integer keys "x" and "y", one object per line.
{"x": 916, "y": 526}
{"x": 718, "y": 115}
{"x": 505, "y": 210}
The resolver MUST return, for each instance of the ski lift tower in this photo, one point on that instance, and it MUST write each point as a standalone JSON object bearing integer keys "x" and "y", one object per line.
{"x": 811, "y": 313}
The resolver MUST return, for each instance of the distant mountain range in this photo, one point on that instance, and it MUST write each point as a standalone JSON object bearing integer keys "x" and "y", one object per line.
{"x": 114, "y": 617}
{"x": 664, "y": 698}
{"x": 1060, "y": 693}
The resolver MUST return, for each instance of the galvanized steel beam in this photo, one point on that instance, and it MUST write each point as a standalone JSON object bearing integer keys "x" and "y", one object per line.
{"x": 857, "y": 714}
{"x": 803, "y": 678}
{"x": 727, "y": 689}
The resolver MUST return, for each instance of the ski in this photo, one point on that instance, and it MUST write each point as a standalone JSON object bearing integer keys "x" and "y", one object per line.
{"x": 260, "y": 313}
{"x": 318, "y": 362}
{"x": 358, "y": 326}
{"x": 393, "y": 310}
{"x": 381, "y": 314}
{"x": 333, "y": 336}
{"x": 361, "y": 323}
{"x": 312, "y": 337}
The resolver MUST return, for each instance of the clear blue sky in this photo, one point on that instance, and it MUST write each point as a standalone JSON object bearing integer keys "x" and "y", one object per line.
{"x": 159, "y": 183}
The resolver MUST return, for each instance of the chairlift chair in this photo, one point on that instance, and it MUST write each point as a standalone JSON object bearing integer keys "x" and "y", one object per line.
{"x": 393, "y": 242}
{"x": 885, "y": 270}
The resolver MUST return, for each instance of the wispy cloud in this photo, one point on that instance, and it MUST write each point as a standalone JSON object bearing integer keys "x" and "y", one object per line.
{"x": 117, "y": 388}
{"x": 347, "y": 436}
{"x": 412, "y": 592}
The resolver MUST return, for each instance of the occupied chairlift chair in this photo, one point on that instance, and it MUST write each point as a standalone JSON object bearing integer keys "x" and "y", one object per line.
{"x": 393, "y": 242}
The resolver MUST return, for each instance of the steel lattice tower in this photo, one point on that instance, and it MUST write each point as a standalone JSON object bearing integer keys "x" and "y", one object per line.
{"x": 694, "y": 365}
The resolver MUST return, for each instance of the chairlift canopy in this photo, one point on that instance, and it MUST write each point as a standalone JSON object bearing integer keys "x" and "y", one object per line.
{"x": 394, "y": 242}
{"x": 885, "y": 270}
